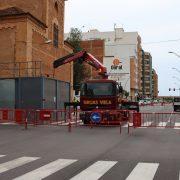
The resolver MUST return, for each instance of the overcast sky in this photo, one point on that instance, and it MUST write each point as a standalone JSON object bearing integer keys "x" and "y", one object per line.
{"x": 154, "y": 20}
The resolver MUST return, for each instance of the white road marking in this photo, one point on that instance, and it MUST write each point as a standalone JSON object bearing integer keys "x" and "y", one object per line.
{"x": 142, "y": 127}
{"x": 162, "y": 124}
{"x": 10, "y": 123}
{"x": 95, "y": 171}
{"x": 179, "y": 175}
{"x": 143, "y": 171}
{"x": 16, "y": 163}
{"x": 2, "y": 156}
{"x": 146, "y": 124}
{"x": 46, "y": 170}
{"x": 125, "y": 125}
{"x": 169, "y": 120}
{"x": 177, "y": 125}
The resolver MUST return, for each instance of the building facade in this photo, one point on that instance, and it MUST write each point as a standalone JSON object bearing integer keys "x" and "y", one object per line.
{"x": 147, "y": 90}
{"x": 121, "y": 57}
{"x": 97, "y": 48}
{"x": 32, "y": 37}
{"x": 154, "y": 84}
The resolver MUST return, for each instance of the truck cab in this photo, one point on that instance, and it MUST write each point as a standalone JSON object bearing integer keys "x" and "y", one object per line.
{"x": 101, "y": 94}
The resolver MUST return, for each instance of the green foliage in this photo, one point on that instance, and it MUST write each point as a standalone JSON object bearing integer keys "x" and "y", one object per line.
{"x": 75, "y": 38}
{"x": 126, "y": 94}
{"x": 80, "y": 72}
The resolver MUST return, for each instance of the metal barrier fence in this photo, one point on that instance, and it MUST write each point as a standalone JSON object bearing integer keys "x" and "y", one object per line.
{"x": 33, "y": 117}
{"x": 100, "y": 118}
{"x": 158, "y": 120}
{"x": 67, "y": 118}
{"x": 156, "y": 104}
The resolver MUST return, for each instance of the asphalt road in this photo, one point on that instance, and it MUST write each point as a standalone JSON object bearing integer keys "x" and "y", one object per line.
{"x": 53, "y": 153}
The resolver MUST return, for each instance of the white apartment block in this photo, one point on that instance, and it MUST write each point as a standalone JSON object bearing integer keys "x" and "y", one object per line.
{"x": 121, "y": 48}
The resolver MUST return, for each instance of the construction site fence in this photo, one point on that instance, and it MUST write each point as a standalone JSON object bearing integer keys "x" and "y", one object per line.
{"x": 34, "y": 117}
{"x": 156, "y": 120}
{"x": 70, "y": 118}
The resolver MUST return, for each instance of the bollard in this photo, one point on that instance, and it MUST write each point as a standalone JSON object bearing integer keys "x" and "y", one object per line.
{"x": 91, "y": 125}
{"x": 69, "y": 127}
{"x": 128, "y": 128}
{"x": 26, "y": 124}
{"x": 120, "y": 128}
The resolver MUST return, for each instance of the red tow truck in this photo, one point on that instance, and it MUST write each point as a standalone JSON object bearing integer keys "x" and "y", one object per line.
{"x": 98, "y": 95}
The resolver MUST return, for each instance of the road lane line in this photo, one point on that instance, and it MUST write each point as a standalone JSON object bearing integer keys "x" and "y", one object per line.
{"x": 162, "y": 124}
{"x": 177, "y": 125}
{"x": 46, "y": 170}
{"x": 2, "y": 156}
{"x": 95, "y": 171}
{"x": 16, "y": 163}
{"x": 143, "y": 171}
{"x": 125, "y": 125}
{"x": 169, "y": 120}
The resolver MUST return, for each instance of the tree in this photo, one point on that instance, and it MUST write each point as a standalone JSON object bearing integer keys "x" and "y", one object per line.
{"x": 80, "y": 73}
{"x": 126, "y": 93}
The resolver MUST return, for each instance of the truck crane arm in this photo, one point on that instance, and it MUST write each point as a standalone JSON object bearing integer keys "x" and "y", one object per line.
{"x": 84, "y": 57}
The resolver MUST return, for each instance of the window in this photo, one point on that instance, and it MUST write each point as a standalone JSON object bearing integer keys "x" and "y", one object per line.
{"x": 147, "y": 78}
{"x": 56, "y": 6}
{"x": 98, "y": 89}
{"x": 56, "y": 36}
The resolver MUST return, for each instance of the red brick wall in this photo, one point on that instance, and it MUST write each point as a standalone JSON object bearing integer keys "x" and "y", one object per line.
{"x": 96, "y": 48}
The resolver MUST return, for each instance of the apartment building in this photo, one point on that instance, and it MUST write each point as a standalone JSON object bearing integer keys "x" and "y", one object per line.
{"x": 122, "y": 57}
{"x": 154, "y": 84}
{"x": 146, "y": 74}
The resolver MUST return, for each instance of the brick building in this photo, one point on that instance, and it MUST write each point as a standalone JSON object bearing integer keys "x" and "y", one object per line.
{"x": 32, "y": 37}
{"x": 95, "y": 47}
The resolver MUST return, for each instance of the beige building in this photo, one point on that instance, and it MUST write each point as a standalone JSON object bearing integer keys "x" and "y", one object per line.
{"x": 32, "y": 37}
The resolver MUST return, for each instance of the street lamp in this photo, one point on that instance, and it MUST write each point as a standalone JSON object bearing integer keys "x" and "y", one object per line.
{"x": 176, "y": 78}
{"x": 178, "y": 87}
{"x": 177, "y": 84}
{"x": 176, "y": 69}
{"x": 171, "y": 52}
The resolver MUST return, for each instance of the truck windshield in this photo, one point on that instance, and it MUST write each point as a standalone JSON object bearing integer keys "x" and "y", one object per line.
{"x": 98, "y": 89}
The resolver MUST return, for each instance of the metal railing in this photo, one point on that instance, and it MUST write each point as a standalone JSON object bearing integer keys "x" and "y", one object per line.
{"x": 21, "y": 69}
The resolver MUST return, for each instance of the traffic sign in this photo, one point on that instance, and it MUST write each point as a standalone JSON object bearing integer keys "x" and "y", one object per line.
{"x": 95, "y": 117}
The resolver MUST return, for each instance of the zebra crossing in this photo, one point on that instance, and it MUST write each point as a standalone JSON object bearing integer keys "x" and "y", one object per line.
{"x": 95, "y": 171}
